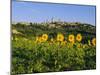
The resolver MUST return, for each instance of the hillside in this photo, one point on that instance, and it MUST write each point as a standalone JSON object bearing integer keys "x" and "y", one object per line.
{"x": 52, "y": 28}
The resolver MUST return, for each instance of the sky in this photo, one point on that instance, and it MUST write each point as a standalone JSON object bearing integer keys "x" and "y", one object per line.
{"x": 40, "y": 12}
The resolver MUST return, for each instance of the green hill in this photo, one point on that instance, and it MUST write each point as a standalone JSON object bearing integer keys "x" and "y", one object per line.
{"x": 52, "y": 28}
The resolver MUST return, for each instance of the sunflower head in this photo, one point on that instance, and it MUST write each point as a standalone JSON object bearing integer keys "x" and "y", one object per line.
{"x": 40, "y": 39}
{"x": 60, "y": 37}
{"x": 94, "y": 41}
{"x": 79, "y": 37}
{"x": 44, "y": 37}
{"x": 71, "y": 38}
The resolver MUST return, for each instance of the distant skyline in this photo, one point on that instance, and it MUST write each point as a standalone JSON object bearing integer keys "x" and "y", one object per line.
{"x": 40, "y": 12}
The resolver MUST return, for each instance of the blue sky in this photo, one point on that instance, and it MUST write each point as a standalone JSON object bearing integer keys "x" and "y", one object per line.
{"x": 40, "y": 12}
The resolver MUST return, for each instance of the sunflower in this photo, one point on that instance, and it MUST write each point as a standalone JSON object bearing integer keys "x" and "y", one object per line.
{"x": 94, "y": 41}
{"x": 60, "y": 37}
{"x": 44, "y": 37}
{"x": 79, "y": 37}
{"x": 40, "y": 39}
{"x": 71, "y": 38}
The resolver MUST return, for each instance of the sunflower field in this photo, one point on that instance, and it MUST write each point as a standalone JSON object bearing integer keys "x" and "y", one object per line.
{"x": 39, "y": 48}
